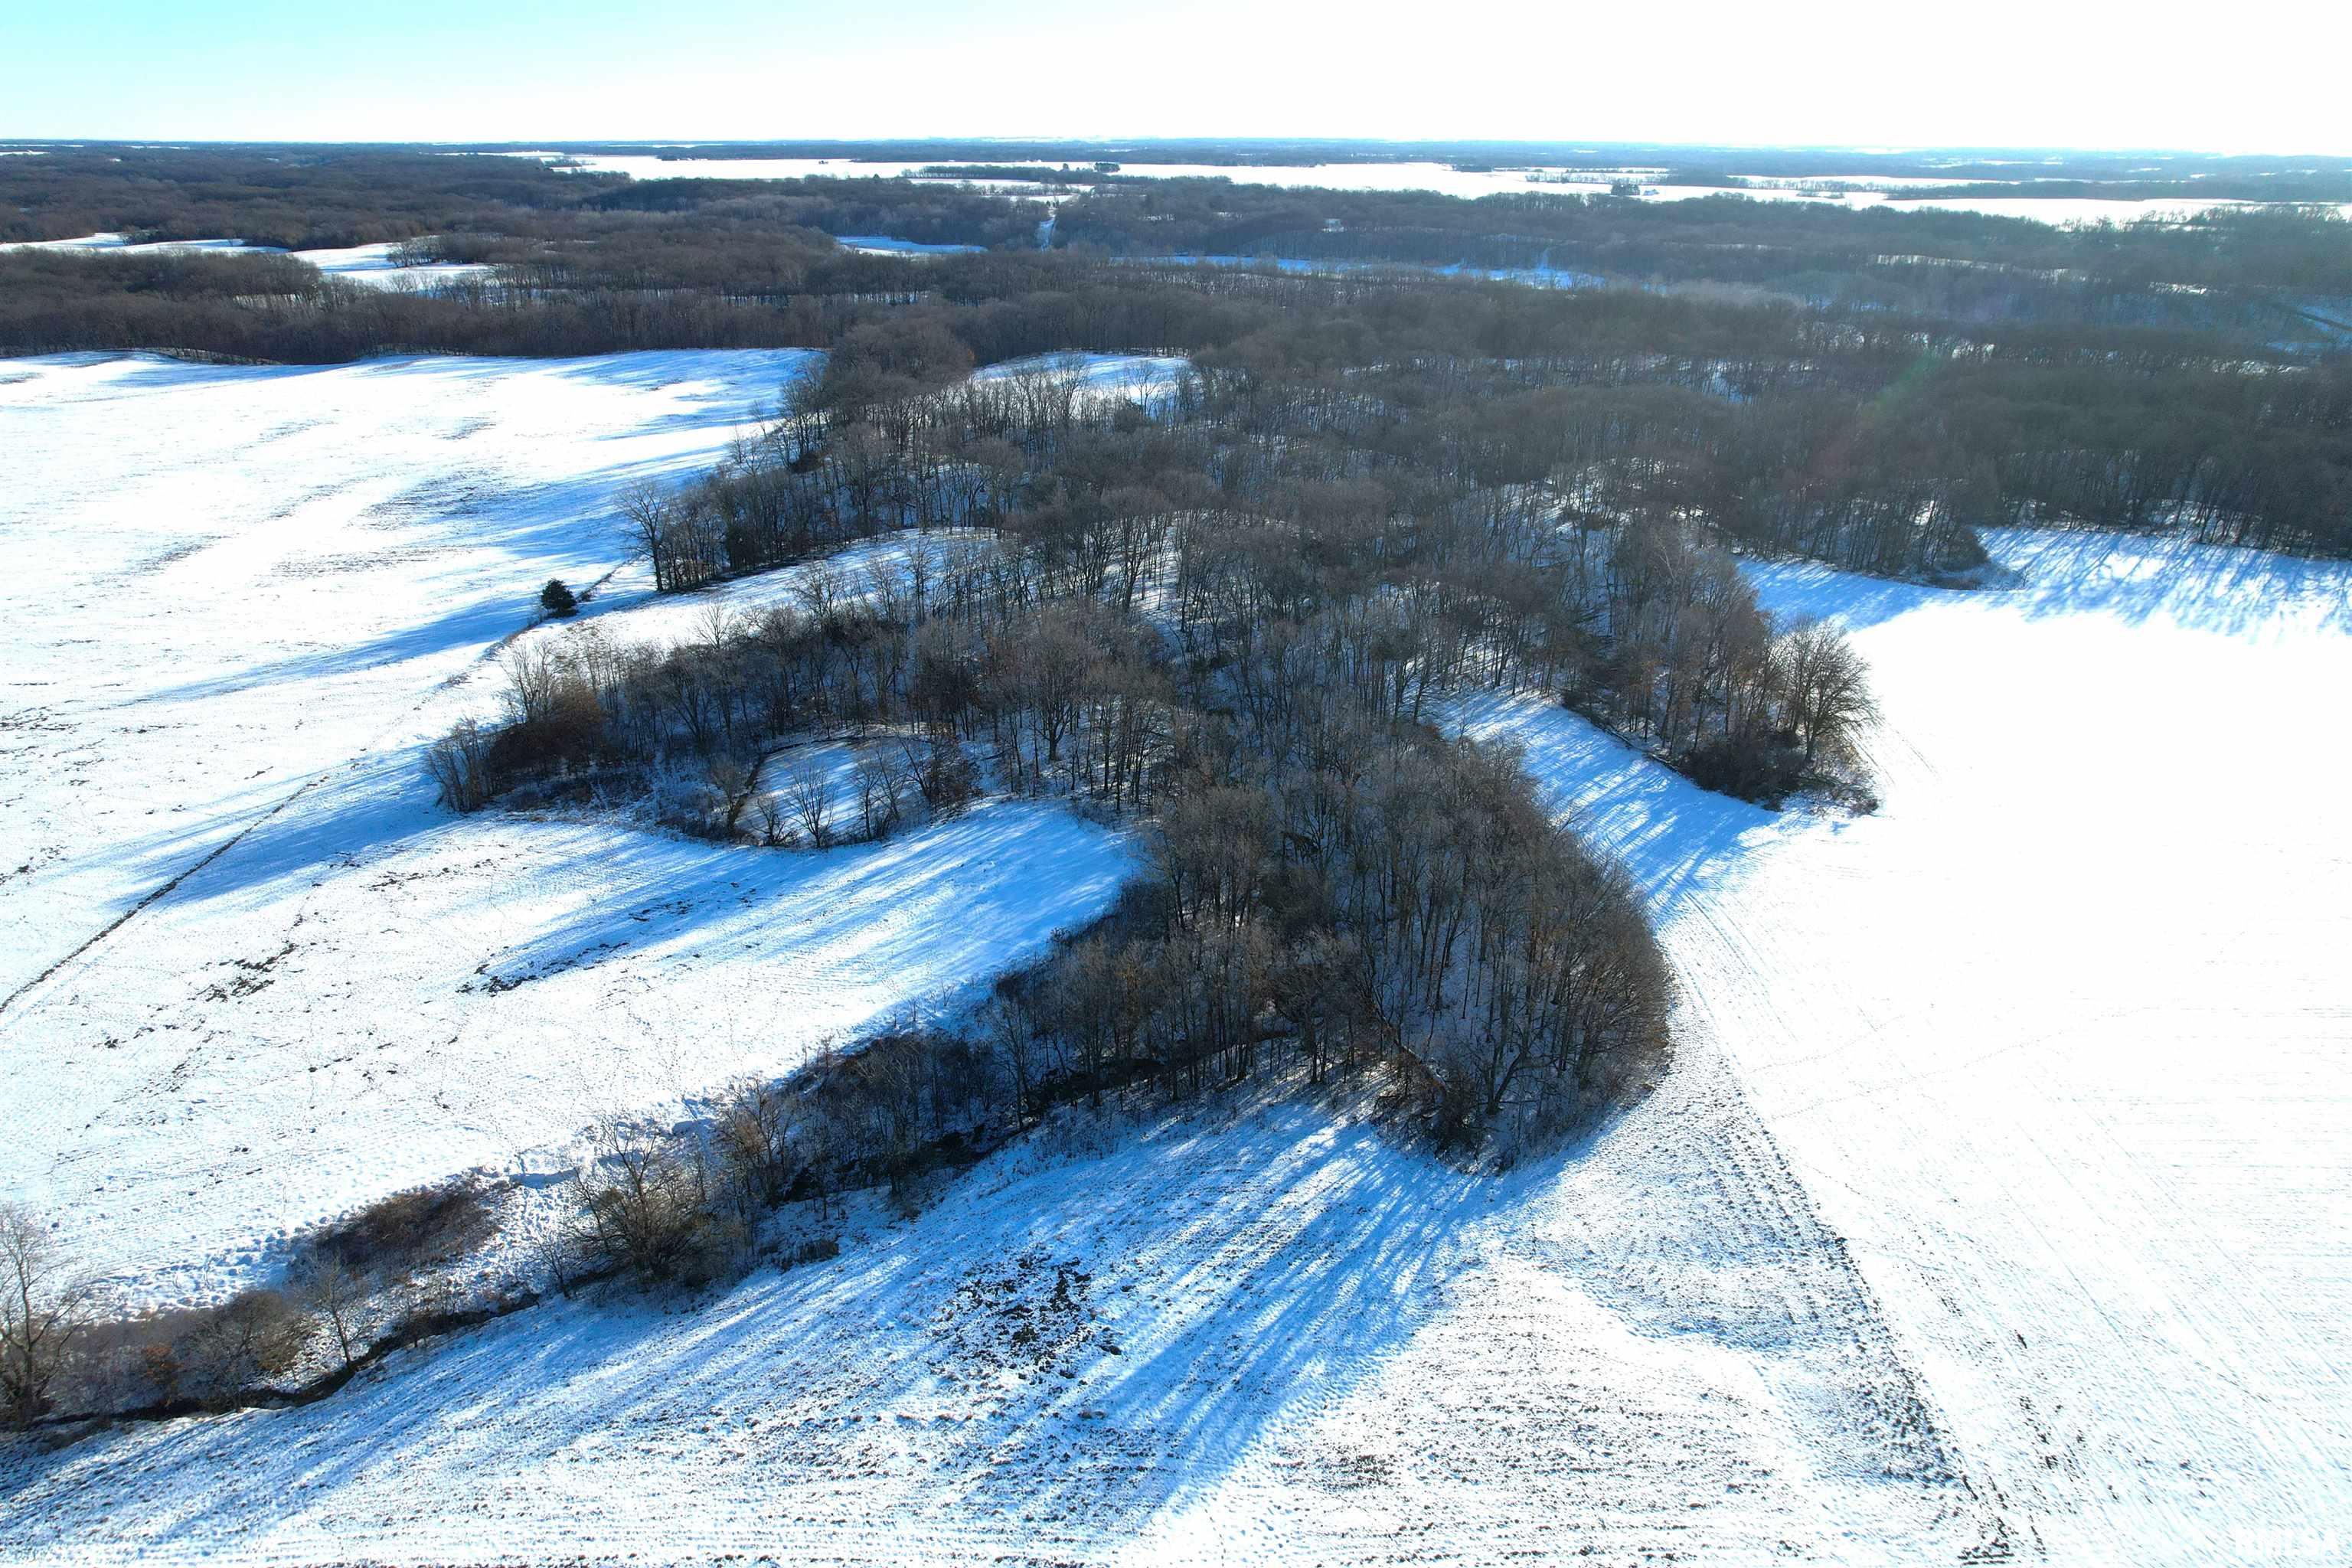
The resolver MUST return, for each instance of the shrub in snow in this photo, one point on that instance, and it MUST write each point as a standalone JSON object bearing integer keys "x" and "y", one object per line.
{"x": 408, "y": 1229}
{"x": 459, "y": 762}
{"x": 556, "y": 599}
{"x": 644, "y": 1209}
{"x": 255, "y": 1337}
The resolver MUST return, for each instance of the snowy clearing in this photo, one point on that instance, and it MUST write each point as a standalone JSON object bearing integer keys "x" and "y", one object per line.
{"x": 883, "y": 245}
{"x": 375, "y": 265}
{"x": 1136, "y": 376}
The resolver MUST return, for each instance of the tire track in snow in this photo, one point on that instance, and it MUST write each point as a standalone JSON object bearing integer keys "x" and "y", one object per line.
{"x": 173, "y": 884}
{"x": 1761, "y": 1170}
{"x": 1741, "y": 956}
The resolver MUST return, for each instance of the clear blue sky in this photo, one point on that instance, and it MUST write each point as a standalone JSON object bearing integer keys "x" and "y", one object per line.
{"x": 2258, "y": 76}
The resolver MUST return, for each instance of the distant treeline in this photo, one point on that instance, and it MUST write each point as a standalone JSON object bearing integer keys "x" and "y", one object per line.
{"x": 1959, "y": 265}
{"x": 1917, "y": 260}
{"x": 298, "y": 198}
{"x": 1711, "y": 163}
{"x": 1776, "y": 372}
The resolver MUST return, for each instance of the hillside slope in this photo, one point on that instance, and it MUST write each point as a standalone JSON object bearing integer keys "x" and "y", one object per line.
{"x": 1264, "y": 1335}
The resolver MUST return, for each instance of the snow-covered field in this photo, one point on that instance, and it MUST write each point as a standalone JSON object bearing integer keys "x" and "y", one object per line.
{"x": 883, "y": 245}
{"x": 1100, "y": 377}
{"x": 375, "y": 265}
{"x": 2060, "y": 1040}
{"x": 1263, "y": 1336}
{"x": 241, "y": 600}
{"x": 1996, "y": 1202}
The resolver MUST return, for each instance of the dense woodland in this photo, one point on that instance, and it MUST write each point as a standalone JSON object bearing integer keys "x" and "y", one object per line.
{"x": 1228, "y": 607}
{"x": 1800, "y": 375}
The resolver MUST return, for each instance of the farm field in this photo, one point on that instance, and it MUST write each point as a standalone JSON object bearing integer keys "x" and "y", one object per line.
{"x": 764, "y": 807}
{"x": 2060, "y": 1040}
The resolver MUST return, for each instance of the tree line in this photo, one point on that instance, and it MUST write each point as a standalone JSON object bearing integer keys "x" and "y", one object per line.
{"x": 1871, "y": 438}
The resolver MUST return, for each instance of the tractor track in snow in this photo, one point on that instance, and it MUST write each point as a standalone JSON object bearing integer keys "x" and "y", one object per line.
{"x": 172, "y": 884}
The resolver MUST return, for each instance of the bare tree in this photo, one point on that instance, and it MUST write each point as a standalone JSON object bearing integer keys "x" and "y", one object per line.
{"x": 879, "y": 785}
{"x": 341, "y": 1298}
{"x": 943, "y": 775}
{"x": 642, "y": 1205}
{"x": 46, "y": 1302}
{"x": 533, "y": 674}
{"x": 1829, "y": 688}
{"x": 717, "y": 626}
{"x": 755, "y": 1138}
{"x": 808, "y": 790}
{"x": 1012, "y": 1032}
{"x": 647, "y": 508}
{"x": 820, "y": 589}
{"x": 459, "y": 764}
{"x": 733, "y": 780}
{"x": 245, "y": 1341}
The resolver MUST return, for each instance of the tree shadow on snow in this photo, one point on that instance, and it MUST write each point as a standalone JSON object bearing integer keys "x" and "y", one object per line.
{"x": 951, "y": 897}
{"x": 1243, "y": 1275}
{"x": 1673, "y": 836}
{"x": 2230, "y": 590}
{"x": 509, "y": 538}
{"x": 2227, "y": 589}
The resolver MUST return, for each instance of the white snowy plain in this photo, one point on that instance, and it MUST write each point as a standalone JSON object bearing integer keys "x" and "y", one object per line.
{"x": 1995, "y": 1203}
{"x": 2061, "y": 1039}
{"x": 243, "y": 601}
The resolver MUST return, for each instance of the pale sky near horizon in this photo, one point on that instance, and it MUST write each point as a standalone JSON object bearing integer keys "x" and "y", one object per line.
{"x": 2265, "y": 76}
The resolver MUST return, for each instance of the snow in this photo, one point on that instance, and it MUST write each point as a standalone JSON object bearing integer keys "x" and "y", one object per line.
{"x": 628, "y": 610}
{"x": 1533, "y": 277}
{"x": 883, "y": 245}
{"x": 2057, "y": 1039}
{"x": 244, "y": 600}
{"x": 121, "y": 242}
{"x": 225, "y": 580}
{"x": 1264, "y": 1332}
{"x": 646, "y": 166}
{"x": 2063, "y": 211}
{"x": 1101, "y": 377}
{"x": 373, "y": 265}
